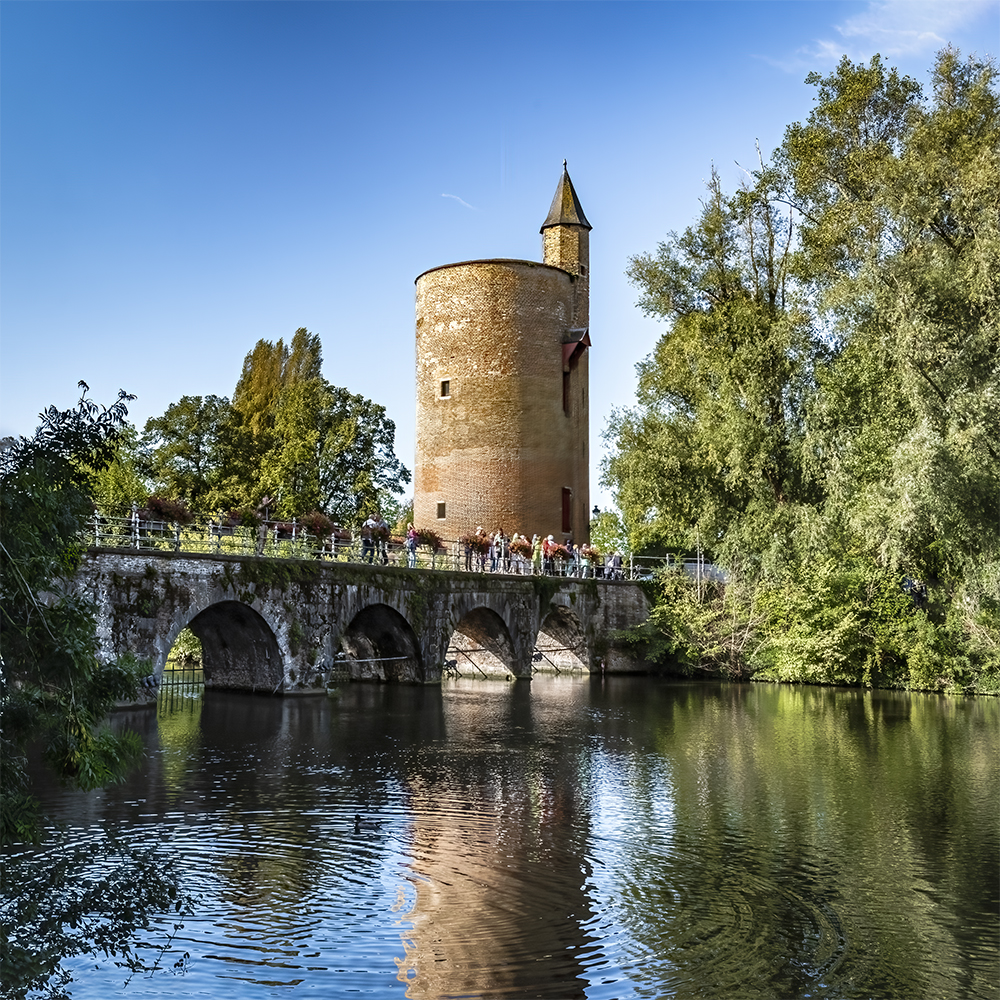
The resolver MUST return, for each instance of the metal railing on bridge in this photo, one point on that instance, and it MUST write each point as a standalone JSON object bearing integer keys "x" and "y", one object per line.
{"x": 289, "y": 540}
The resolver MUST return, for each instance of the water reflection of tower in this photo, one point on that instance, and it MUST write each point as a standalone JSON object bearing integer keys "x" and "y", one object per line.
{"x": 499, "y": 852}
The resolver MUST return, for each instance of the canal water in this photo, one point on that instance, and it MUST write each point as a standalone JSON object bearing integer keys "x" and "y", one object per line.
{"x": 601, "y": 838}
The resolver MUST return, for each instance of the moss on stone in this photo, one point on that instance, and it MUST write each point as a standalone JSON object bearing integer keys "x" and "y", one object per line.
{"x": 295, "y": 636}
{"x": 278, "y": 574}
{"x": 545, "y": 588}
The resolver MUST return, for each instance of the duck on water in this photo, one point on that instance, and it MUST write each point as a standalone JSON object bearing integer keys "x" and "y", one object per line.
{"x": 363, "y": 825}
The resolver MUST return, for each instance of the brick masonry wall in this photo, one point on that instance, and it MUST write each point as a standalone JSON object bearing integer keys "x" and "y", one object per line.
{"x": 499, "y": 450}
{"x": 568, "y": 247}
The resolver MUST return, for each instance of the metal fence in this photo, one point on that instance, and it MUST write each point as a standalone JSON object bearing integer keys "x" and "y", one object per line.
{"x": 289, "y": 540}
{"x": 180, "y": 686}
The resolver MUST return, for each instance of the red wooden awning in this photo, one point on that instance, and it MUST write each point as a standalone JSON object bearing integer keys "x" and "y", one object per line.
{"x": 578, "y": 341}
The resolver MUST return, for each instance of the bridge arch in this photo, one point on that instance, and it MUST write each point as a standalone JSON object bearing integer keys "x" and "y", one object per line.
{"x": 239, "y": 648}
{"x": 380, "y": 645}
{"x": 480, "y": 646}
{"x": 561, "y": 644}
{"x": 287, "y": 625}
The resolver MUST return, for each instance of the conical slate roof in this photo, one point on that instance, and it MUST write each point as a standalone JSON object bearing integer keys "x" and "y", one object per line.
{"x": 566, "y": 209}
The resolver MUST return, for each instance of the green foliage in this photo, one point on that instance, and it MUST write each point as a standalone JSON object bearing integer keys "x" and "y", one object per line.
{"x": 402, "y": 517}
{"x": 295, "y": 636}
{"x": 607, "y": 533}
{"x": 288, "y": 435}
{"x": 185, "y": 450}
{"x": 186, "y": 647}
{"x": 53, "y": 687}
{"x": 69, "y": 901}
{"x": 121, "y": 482}
{"x": 822, "y": 413}
{"x": 65, "y": 901}
{"x": 838, "y": 626}
{"x": 359, "y": 473}
{"x": 705, "y": 630}
{"x": 905, "y": 425}
{"x": 715, "y": 440}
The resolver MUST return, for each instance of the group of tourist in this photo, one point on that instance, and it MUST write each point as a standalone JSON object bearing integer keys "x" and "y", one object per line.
{"x": 375, "y": 539}
{"x": 498, "y": 553}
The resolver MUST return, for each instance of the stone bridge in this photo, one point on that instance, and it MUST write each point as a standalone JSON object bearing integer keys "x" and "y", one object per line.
{"x": 288, "y": 626}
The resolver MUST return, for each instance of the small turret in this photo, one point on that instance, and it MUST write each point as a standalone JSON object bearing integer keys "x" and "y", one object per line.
{"x": 566, "y": 242}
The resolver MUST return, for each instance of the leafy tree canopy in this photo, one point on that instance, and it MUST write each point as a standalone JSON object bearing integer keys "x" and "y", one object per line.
{"x": 185, "y": 450}
{"x": 88, "y": 898}
{"x": 53, "y": 684}
{"x": 823, "y": 405}
{"x": 288, "y": 434}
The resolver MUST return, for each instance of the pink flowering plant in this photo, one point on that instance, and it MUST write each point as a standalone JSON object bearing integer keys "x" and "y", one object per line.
{"x": 317, "y": 523}
{"x": 477, "y": 543}
{"x": 522, "y": 547}
{"x": 243, "y": 517}
{"x": 160, "y": 508}
{"x": 430, "y": 539}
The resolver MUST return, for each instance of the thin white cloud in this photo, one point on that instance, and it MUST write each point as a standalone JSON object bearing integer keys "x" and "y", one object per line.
{"x": 459, "y": 200}
{"x": 894, "y": 28}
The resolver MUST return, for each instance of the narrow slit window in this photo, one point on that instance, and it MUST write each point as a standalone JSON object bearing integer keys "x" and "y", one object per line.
{"x": 445, "y": 388}
{"x": 567, "y": 509}
{"x": 440, "y": 511}
{"x": 566, "y": 389}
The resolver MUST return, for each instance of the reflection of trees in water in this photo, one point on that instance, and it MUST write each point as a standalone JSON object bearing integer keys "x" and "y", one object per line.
{"x": 809, "y": 828}
{"x": 178, "y": 725}
{"x": 711, "y": 837}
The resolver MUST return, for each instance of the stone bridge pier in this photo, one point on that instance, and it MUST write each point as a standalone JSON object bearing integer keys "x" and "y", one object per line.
{"x": 285, "y": 626}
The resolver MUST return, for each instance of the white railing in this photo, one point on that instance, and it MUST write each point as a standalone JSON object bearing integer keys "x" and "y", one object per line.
{"x": 290, "y": 540}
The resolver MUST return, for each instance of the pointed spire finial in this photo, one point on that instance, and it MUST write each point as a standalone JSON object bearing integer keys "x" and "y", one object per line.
{"x": 566, "y": 208}
{"x": 564, "y": 163}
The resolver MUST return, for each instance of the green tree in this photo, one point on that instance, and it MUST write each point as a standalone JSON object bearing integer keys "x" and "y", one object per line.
{"x": 834, "y": 439}
{"x": 359, "y": 472}
{"x": 607, "y": 533}
{"x": 185, "y": 448}
{"x": 914, "y": 471}
{"x": 307, "y": 444}
{"x": 121, "y": 482}
{"x": 54, "y": 690}
{"x": 53, "y": 685}
{"x": 713, "y": 450}
{"x": 274, "y": 403}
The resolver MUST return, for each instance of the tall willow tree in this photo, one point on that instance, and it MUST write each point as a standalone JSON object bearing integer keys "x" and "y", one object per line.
{"x": 712, "y": 453}
{"x": 902, "y": 243}
{"x": 836, "y": 441}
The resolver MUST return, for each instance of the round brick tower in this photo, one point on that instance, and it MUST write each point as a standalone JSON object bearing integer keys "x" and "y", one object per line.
{"x": 502, "y": 388}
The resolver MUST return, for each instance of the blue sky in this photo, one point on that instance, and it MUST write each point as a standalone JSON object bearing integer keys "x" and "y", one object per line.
{"x": 182, "y": 179}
